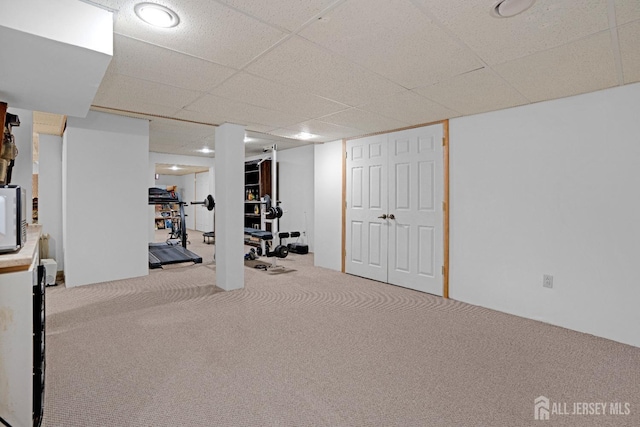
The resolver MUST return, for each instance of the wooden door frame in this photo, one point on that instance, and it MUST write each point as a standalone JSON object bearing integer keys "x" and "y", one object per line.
{"x": 445, "y": 203}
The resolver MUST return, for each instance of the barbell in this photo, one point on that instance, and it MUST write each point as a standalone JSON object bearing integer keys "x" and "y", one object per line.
{"x": 208, "y": 203}
{"x": 272, "y": 212}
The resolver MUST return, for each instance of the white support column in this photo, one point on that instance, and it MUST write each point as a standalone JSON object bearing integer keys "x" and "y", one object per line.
{"x": 229, "y": 227}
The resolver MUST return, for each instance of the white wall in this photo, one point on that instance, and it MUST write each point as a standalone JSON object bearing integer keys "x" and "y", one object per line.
{"x": 551, "y": 188}
{"x": 105, "y": 196}
{"x": 50, "y": 194}
{"x": 328, "y": 205}
{"x": 22, "y": 174}
{"x": 65, "y": 21}
{"x": 296, "y": 178}
{"x": 203, "y": 218}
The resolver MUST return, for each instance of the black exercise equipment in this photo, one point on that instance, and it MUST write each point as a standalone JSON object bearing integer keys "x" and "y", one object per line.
{"x": 271, "y": 211}
{"x": 280, "y": 251}
{"x": 274, "y": 212}
{"x": 208, "y": 203}
{"x": 251, "y": 255}
{"x": 164, "y": 254}
{"x": 167, "y": 253}
{"x": 208, "y": 237}
{"x": 297, "y": 248}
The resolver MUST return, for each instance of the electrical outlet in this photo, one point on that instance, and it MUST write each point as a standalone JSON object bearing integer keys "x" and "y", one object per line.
{"x": 547, "y": 281}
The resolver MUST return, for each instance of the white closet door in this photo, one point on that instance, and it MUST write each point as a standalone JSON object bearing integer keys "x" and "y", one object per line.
{"x": 415, "y": 209}
{"x": 204, "y": 218}
{"x": 367, "y": 233}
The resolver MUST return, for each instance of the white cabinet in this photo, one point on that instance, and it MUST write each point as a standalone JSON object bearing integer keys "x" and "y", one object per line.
{"x": 18, "y": 275}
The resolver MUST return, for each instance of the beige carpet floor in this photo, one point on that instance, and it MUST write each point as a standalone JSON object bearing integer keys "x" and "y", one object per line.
{"x": 313, "y": 347}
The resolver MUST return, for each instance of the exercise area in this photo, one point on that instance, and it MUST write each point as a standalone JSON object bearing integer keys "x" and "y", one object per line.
{"x": 264, "y": 238}
{"x": 174, "y": 249}
{"x": 262, "y": 214}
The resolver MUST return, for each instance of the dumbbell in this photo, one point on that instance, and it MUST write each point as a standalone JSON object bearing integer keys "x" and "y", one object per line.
{"x": 251, "y": 255}
{"x": 281, "y": 251}
{"x": 208, "y": 203}
{"x": 274, "y": 212}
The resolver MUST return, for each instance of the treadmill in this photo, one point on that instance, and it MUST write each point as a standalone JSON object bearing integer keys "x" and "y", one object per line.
{"x": 166, "y": 253}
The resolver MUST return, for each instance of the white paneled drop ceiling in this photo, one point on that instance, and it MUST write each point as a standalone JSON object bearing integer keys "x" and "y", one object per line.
{"x": 344, "y": 68}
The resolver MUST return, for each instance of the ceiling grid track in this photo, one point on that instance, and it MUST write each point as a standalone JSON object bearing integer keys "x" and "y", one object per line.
{"x": 457, "y": 39}
{"x": 615, "y": 41}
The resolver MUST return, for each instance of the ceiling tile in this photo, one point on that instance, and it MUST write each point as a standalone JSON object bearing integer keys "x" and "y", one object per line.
{"x": 47, "y": 129}
{"x": 166, "y": 169}
{"x": 259, "y": 147}
{"x": 286, "y": 14}
{"x": 393, "y": 39}
{"x": 207, "y": 30}
{"x": 193, "y": 148}
{"x": 629, "y": 37}
{"x": 207, "y": 117}
{"x": 579, "y": 67}
{"x": 324, "y": 131}
{"x": 366, "y": 121}
{"x": 547, "y": 24}
{"x": 255, "y": 127}
{"x": 225, "y": 110}
{"x": 255, "y": 90}
{"x": 128, "y": 93}
{"x": 180, "y": 132}
{"x": 322, "y": 73}
{"x": 410, "y": 108}
{"x": 627, "y": 11}
{"x": 48, "y": 123}
{"x": 142, "y": 60}
{"x": 474, "y": 92}
{"x": 169, "y": 148}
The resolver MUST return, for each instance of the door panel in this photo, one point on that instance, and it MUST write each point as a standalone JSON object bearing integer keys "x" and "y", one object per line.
{"x": 375, "y": 245}
{"x": 426, "y": 248}
{"x": 402, "y": 251}
{"x": 403, "y": 178}
{"x": 415, "y": 194}
{"x": 426, "y": 184}
{"x": 356, "y": 243}
{"x": 367, "y": 235}
{"x": 375, "y": 187}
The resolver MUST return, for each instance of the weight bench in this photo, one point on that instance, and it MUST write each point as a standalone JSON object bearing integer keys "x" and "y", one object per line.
{"x": 267, "y": 247}
{"x": 260, "y": 234}
{"x": 208, "y": 237}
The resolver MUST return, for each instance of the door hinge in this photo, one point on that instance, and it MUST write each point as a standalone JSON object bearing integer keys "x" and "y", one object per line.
{"x": 444, "y": 141}
{"x": 346, "y": 156}
{"x": 444, "y": 206}
{"x": 443, "y": 270}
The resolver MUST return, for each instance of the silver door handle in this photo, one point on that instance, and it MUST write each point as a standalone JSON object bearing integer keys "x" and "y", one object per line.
{"x": 392, "y": 216}
{"x": 383, "y": 216}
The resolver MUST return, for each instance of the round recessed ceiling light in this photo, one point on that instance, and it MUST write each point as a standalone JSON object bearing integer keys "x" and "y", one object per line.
{"x": 509, "y": 8}
{"x": 206, "y": 150}
{"x": 157, "y": 15}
